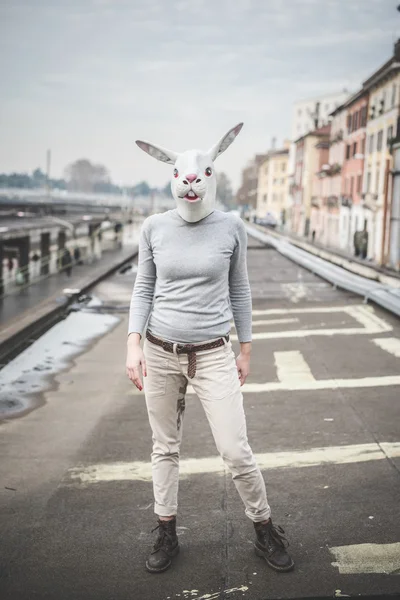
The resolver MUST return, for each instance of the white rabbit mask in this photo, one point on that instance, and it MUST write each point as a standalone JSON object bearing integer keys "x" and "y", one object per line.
{"x": 194, "y": 183}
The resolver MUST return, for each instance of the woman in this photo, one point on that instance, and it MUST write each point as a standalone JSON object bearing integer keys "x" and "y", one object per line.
{"x": 191, "y": 280}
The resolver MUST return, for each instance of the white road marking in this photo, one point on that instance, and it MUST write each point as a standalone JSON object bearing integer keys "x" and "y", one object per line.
{"x": 319, "y": 384}
{"x": 292, "y": 369}
{"x": 274, "y": 321}
{"x": 391, "y": 345}
{"x": 367, "y": 558}
{"x": 141, "y": 471}
{"x": 217, "y": 595}
{"x": 364, "y": 315}
{"x": 316, "y": 384}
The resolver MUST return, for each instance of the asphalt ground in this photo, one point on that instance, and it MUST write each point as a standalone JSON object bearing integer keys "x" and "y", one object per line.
{"x": 75, "y": 523}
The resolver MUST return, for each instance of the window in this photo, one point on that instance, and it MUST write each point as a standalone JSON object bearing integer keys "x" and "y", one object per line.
{"x": 265, "y": 197}
{"x": 354, "y": 148}
{"x": 390, "y": 133}
{"x": 363, "y": 146}
{"x": 348, "y": 123}
{"x": 379, "y": 140}
{"x": 368, "y": 181}
{"x": 382, "y": 104}
{"x": 363, "y": 116}
{"x": 348, "y": 151}
{"x": 359, "y": 178}
{"x": 378, "y": 168}
{"x": 393, "y": 95}
{"x": 351, "y": 186}
{"x": 355, "y": 121}
{"x": 283, "y": 167}
{"x": 371, "y": 144}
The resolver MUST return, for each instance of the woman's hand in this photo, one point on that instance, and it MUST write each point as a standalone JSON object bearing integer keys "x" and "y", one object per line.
{"x": 135, "y": 361}
{"x": 243, "y": 366}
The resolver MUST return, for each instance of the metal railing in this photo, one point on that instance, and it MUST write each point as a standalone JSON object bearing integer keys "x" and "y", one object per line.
{"x": 386, "y": 296}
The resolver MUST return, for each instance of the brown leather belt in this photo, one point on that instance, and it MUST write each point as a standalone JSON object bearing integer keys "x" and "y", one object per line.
{"x": 189, "y": 349}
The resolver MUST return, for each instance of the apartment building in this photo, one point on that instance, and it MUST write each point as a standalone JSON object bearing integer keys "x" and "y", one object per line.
{"x": 354, "y": 139}
{"x": 307, "y": 163}
{"x": 272, "y": 191}
{"x": 383, "y": 112}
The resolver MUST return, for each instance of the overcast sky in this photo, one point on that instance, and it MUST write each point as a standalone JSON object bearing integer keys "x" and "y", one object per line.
{"x": 88, "y": 77}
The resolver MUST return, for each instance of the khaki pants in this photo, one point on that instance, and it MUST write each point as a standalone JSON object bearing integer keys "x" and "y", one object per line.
{"x": 217, "y": 386}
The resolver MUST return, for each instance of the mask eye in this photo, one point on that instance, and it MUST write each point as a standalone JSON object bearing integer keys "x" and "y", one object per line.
{"x": 208, "y": 171}
{"x": 176, "y": 173}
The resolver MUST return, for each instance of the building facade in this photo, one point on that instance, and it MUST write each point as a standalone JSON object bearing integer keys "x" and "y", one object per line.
{"x": 383, "y": 112}
{"x": 308, "y": 115}
{"x": 247, "y": 193}
{"x": 272, "y": 189}
{"x": 354, "y": 139}
{"x": 307, "y": 163}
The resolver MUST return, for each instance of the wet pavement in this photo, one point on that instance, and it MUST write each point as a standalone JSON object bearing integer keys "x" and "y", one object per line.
{"x": 323, "y": 417}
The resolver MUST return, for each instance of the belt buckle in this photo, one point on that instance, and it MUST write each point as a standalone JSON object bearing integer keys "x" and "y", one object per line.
{"x": 166, "y": 345}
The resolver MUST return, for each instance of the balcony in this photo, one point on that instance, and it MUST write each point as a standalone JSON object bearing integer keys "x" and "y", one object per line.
{"x": 346, "y": 201}
{"x": 332, "y": 202}
{"x": 315, "y": 202}
{"x": 338, "y": 137}
{"x": 328, "y": 170}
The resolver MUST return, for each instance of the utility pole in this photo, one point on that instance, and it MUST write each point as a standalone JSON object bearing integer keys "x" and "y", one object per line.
{"x": 48, "y": 165}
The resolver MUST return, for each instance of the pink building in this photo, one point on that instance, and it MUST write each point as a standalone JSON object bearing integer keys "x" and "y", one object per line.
{"x": 351, "y": 219}
{"x": 309, "y": 157}
{"x": 328, "y": 230}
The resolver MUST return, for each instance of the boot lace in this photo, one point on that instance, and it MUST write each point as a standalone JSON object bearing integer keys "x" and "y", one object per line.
{"x": 164, "y": 537}
{"x": 273, "y": 537}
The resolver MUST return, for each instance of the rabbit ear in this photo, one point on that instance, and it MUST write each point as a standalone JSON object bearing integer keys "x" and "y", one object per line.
{"x": 167, "y": 156}
{"x": 225, "y": 142}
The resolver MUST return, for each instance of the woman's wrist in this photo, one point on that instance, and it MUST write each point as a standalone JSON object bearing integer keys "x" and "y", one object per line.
{"x": 133, "y": 339}
{"x": 245, "y": 348}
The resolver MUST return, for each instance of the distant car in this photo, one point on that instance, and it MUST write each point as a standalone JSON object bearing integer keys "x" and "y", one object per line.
{"x": 268, "y": 221}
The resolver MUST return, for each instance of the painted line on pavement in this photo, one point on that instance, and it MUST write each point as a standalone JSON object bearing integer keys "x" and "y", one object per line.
{"x": 364, "y": 315}
{"x": 141, "y": 471}
{"x": 391, "y": 345}
{"x": 367, "y": 558}
{"x": 316, "y": 384}
{"x": 292, "y": 369}
{"x": 319, "y": 384}
{"x": 274, "y": 321}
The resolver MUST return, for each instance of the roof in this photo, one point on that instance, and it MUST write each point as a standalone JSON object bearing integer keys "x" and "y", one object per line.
{"x": 320, "y": 132}
{"x": 390, "y": 66}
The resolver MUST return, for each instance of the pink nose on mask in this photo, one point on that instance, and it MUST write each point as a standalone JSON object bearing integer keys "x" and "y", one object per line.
{"x": 191, "y": 177}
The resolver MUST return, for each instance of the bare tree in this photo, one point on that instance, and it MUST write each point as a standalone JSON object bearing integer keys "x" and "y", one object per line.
{"x": 224, "y": 188}
{"x": 83, "y": 176}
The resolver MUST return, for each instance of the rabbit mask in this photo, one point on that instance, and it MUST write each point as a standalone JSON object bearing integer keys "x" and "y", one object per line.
{"x": 194, "y": 183}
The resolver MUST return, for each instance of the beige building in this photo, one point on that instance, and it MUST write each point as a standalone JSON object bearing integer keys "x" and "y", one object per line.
{"x": 247, "y": 193}
{"x": 307, "y": 164}
{"x": 272, "y": 189}
{"x": 384, "y": 102}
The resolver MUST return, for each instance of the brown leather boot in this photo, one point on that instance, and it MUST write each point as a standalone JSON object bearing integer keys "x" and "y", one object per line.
{"x": 165, "y": 548}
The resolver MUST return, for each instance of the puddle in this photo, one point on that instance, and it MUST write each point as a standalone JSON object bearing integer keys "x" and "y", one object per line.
{"x": 24, "y": 379}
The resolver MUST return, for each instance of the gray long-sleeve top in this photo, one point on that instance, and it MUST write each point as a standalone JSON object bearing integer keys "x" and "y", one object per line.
{"x": 192, "y": 278}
